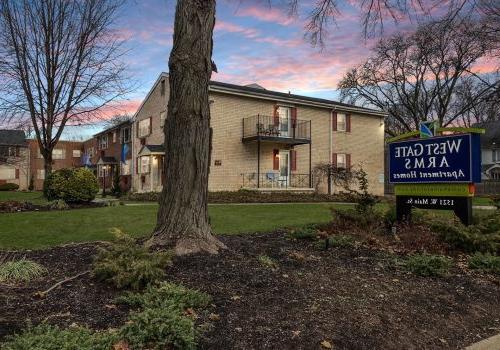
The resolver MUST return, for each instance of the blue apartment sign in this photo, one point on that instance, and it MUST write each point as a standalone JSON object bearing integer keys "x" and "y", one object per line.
{"x": 440, "y": 159}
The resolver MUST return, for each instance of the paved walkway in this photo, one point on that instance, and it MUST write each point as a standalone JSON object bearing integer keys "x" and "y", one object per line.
{"x": 492, "y": 343}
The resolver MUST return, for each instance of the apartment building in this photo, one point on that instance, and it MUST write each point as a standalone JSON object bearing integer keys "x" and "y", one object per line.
{"x": 66, "y": 154}
{"x": 490, "y": 150}
{"x": 265, "y": 140}
{"x": 14, "y": 158}
{"x": 110, "y": 152}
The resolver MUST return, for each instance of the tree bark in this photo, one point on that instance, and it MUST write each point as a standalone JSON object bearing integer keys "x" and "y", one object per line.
{"x": 183, "y": 222}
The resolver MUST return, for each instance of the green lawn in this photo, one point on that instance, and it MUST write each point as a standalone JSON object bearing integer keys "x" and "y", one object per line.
{"x": 33, "y": 197}
{"x": 42, "y": 229}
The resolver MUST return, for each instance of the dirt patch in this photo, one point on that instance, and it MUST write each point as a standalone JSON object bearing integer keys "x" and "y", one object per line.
{"x": 355, "y": 298}
{"x": 15, "y": 206}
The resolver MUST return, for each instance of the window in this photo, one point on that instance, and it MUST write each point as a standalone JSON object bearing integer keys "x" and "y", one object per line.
{"x": 163, "y": 115}
{"x": 103, "y": 142}
{"x": 144, "y": 127}
{"x": 58, "y": 153}
{"x": 7, "y": 151}
{"x": 163, "y": 87}
{"x": 7, "y": 173}
{"x": 90, "y": 151}
{"x": 103, "y": 170}
{"x": 77, "y": 153}
{"x": 495, "y": 155}
{"x": 40, "y": 174}
{"x": 341, "y": 122}
{"x": 341, "y": 160}
{"x": 144, "y": 165}
{"x": 125, "y": 135}
{"x": 114, "y": 136}
{"x": 125, "y": 167}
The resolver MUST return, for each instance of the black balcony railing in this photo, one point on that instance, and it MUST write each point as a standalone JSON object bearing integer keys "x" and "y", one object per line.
{"x": 270, "y": 127}
{"x": 275, "y": 180}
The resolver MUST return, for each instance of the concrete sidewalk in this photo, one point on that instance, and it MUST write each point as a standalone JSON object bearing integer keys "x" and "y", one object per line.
{"x": 492, "y": 343}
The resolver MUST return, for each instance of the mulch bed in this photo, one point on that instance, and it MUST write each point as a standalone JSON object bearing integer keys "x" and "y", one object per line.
{"x": 15, "y": 206}
{"x": 355, "y": 298}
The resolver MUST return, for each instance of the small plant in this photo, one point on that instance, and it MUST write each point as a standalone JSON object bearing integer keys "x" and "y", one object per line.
{"x": 31, "y": 185}
{"x": 47, "y": 337}
{"x": 340, "y": 241}
{"x": 162, "y": 319}
{"x": 22, "y": 270}
{"x": 266, "y": 261}
{"x": 485, "y": 262}
{"x": 127, "y": 264}
{"x": 348, "y": 219}
{"x": 309, "y": 232}
{"x": 116, "y": 190}
{"x": 58, "y": 204}
{"x": 428, "y": 265}
{"x": 9, "y": 187}
{"x": 496, "y": 201}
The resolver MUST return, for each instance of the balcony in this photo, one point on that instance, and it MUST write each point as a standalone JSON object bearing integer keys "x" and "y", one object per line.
{"x": 274, "y": 129}
{"x": 275, "y": 181}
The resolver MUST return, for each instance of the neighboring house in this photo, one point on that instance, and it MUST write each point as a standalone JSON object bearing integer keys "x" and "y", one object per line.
{"x": 490, "y": 150}
{"x": 66, "y": 154}
{"x": 14, "y": 158}
{"x": 265, "y": 140}
{"x": 110, "y": 151}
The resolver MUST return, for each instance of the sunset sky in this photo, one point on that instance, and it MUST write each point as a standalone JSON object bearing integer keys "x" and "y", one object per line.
{"x": 252, "y": 43}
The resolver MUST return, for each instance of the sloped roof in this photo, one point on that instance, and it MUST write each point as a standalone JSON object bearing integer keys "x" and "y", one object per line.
{"x": 151, "y": 149}
{"x": 107, "y": 160}
{"x": 12, "y": 137}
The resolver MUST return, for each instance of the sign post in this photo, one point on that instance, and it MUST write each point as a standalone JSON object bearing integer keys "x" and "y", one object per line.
{"x": 435, "y": 171}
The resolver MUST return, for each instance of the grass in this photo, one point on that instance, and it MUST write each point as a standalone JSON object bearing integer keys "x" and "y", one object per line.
{"x": 31, "y": 230}
{"x": 33, "y": 197}
{"x": 22, "y": 270}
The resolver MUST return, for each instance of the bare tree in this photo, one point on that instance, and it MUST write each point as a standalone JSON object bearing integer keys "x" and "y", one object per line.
{"x": 117, "y": 120}
{"x": 422, "y": 75}
{"x": 59, "y": 64}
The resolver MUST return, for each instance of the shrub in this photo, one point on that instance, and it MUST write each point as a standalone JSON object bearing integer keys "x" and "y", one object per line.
{"x": 31, "y": 185}
{"x": 9, "y": 187}
{"x": 127, "y": 264}
{"x": 485, "y": 262}
{"x": 116, "y": 190}
{"x": 71, "y": 185}
{"x": 428, "y": 265}
{"x": 47, "y": 337}
{"x": 58, "y": 204}
{"x": 341, "y": 241}
{"x": 496, "y": 201}
{"x": 22, "y": 270}
{"x": 162, "y": 320}
{"x": 483, "y": 236}
{"x": 266, "y": 261}
{"x": 309, "y": 232}
{"x": 347, "y": 219}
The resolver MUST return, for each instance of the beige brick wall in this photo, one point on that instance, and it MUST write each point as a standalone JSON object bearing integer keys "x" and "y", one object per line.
{"x": 152, "y": 107}
{"x": 238, "y": 160}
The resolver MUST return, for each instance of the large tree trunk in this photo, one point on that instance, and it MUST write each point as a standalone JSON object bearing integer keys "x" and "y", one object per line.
{"x": 183, "y": 222}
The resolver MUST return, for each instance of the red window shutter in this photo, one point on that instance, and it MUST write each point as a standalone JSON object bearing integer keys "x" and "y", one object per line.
{"x": 334, "y": 159}
{"x": 348, "y": 161}
{"x": 276, "y": 116}
{"x": 348, "y": 123}
{"x": 294, "y": 117}
{"x": 17, "y": 173}
{"x": 293, "y": 159}
{"x": 276, "y": 160}
{"x": 334, "y": 121}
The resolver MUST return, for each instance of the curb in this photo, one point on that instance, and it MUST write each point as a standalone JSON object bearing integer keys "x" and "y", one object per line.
{"x": 492, "y": 343}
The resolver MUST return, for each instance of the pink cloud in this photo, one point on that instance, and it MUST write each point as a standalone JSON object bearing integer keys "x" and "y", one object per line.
{"x": 235, "y": 28}
{"x": 267, "y": 14}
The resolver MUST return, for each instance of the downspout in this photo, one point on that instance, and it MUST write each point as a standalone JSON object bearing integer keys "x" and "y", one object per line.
{"x": 330, "y": 147}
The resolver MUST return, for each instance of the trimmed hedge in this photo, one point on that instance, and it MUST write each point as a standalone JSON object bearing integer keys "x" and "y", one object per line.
{"x": 71, "y": 185}
{"x": 9, "y": 187}
{"x": 248, "y": 196}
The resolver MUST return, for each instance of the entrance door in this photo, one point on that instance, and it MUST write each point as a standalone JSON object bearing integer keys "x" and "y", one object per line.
{"x": 285, "y": 115}
{"x": 284, "y": 178}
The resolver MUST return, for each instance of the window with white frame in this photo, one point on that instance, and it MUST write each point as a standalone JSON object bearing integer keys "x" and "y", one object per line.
{"x": 77, "y": 153}
{"x": 144, "y": 165}
{"x": 341, "y": 160}
{"x": 114, "y": 136}
{"x": 341, "y": 122}
{"x": 495, "y": 155}
{"x": 103, "y": 170}
{"x": 58, "y": 153}
{"x": 103, "y": 142}
{"x": 144, "y": 127}
{"x": 7, "y": 173}
{"x": 163, "y": 115}
{"x": 126, "y": 135}
{"x": 40, "y": 174}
